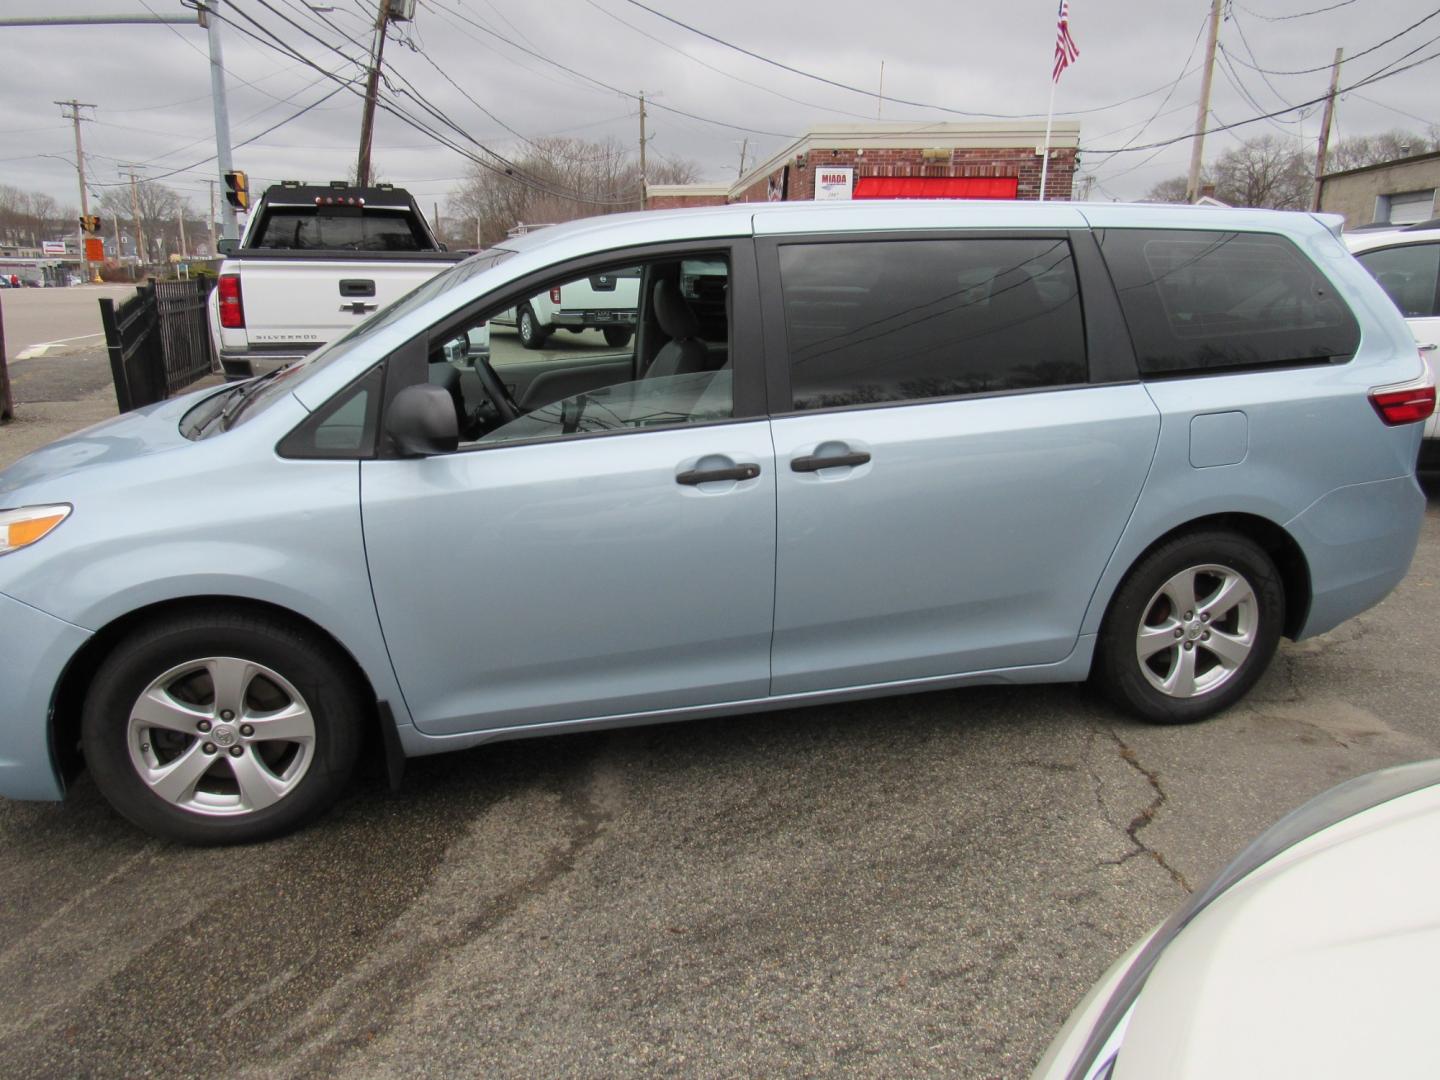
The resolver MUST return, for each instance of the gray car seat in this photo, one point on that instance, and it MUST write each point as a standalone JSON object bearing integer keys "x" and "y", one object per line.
{"x": 684, "y": 353}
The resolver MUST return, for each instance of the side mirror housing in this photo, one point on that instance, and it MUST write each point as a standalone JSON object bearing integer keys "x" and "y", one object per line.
{"x": 422, "y": 421}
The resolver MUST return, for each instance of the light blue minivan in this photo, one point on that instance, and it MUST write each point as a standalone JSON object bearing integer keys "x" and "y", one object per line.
{"x": 851, "y": 450}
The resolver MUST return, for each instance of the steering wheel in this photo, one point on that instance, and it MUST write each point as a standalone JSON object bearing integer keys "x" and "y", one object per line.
{"x": 495, "y": 390}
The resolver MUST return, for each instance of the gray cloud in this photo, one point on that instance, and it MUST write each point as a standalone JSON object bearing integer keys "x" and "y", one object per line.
{"x": 152, "y": 84}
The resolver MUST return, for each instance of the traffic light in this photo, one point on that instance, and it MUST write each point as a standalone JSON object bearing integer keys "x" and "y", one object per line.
{"x": 90, "y": 223}
{"x": 237, "y": 190}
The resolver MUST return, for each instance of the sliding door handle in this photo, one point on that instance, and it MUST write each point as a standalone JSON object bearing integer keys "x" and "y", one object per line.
{"x": 814, "y": 462}
{"x": 705, "y": 476}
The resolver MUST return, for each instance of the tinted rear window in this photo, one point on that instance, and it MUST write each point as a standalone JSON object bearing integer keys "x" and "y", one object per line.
{"x": 905, "y": 320}
{"x": 302, "y": 228}
{"x": 1214, "y": 301}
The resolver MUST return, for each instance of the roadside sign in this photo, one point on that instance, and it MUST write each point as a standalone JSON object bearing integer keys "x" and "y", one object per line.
{"x": 52, "y": 247}
{"x": 94, "y": 249}
{"x": 833, "y": 182}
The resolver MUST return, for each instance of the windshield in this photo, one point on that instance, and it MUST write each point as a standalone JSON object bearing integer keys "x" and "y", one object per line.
{"x": 322, "y": 357}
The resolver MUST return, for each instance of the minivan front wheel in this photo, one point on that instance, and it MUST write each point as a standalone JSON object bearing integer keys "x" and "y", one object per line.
{"x": 1192, "y": 628}
{"x": 221, "y": 729}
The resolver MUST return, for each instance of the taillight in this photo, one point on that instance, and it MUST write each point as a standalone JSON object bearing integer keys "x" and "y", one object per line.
{"x": 1408, "y": 402}
{"x": 232, "y": 308}
{"x": 555, "y": 295}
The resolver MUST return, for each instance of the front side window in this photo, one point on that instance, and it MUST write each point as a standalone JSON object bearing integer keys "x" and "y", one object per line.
{"x": 907, "y": 320}
{"x": 1200, "y": 302}
{"x": 1409, "y": 274}
{"x": 628, "y": 348}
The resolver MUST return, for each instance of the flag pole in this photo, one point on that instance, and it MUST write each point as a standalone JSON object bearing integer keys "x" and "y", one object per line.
{"x": 1045, "y": 162}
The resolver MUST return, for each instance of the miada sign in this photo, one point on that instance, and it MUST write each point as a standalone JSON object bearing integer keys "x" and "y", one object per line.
{"x": 833, "y": 182}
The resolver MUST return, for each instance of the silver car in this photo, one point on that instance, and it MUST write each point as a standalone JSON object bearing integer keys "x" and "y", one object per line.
{"x": 851, "y": 450}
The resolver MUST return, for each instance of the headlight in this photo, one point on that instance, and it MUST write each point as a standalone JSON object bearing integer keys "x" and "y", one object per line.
{"x": 23, "y": 526}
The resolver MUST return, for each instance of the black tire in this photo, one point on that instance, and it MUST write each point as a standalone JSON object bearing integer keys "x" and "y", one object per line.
{"x": 618, "y": 336}
{"x": 532, "y": 334}
{"x": 303, "y": 779}
{"x": 1141, "y": 605}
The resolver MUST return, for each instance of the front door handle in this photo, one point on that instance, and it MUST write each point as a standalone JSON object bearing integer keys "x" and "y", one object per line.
{"x": 705, "y": 476}
{"x": 1428, "y": 347}
{"x": 815, "y": 462}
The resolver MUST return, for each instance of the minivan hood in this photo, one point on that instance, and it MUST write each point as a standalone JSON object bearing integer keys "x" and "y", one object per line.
{"x": 133, "y": 435}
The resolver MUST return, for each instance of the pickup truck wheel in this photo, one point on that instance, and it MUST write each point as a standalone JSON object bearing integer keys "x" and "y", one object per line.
{"x": 618, "y": 336}
{"x": 1191, "y": 629}
{"x": 532, "y": 334}
{"x": 221, "y": 728}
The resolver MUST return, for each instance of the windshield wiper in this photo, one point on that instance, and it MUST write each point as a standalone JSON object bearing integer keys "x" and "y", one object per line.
{"x": 243, "y": 393}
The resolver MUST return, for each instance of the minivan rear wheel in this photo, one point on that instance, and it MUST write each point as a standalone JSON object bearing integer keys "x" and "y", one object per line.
{"x": 1192, "y": 628}
{"x": 223, "y": 728}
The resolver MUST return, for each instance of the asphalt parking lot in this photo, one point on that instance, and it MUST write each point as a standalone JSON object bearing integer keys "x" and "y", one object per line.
{"x": 917, "y": 886}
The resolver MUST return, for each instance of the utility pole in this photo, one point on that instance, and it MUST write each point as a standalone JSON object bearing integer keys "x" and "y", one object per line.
{"x": 214, "y": 251}
{"x": 1325, "y": 118}
{"x": 372, "y": 91}
{"x": 204, "y": 9}
{"x": 1202, "y": 115}
{"x": 74, "y": 114}
{"x": 140, "y": 253}
{"x": 180, "y": 220}
{"x": 745, "y": 145}
{"x": 210, "y": 17}
{"x": 643, "y": 141}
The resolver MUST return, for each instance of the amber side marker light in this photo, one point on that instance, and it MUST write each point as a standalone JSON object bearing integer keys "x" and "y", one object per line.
{"x": 23, "y": 526}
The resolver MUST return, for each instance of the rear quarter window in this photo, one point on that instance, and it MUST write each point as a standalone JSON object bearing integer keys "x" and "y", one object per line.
{"x": 1201, "y": 302}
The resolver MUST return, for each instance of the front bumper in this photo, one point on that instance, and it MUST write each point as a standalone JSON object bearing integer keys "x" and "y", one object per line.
{"x": 35, "y": 649}
{"x": 581, "y": 320}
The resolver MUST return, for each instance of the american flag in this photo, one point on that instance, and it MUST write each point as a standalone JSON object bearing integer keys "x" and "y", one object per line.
{"x": 1066, "y": 51}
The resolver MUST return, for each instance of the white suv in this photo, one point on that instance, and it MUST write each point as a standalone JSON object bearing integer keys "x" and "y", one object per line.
{"x": 1406, "y": 263}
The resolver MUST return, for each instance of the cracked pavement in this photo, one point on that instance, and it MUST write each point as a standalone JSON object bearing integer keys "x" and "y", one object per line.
{"x": 919, "y": 886}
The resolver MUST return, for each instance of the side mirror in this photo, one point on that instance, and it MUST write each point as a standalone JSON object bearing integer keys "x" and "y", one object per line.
{"x": 422, "y": 421}
{"x": 227, "y": 246}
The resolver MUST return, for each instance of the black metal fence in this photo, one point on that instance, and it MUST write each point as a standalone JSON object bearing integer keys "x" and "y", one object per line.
{"x": 158, "y": 339}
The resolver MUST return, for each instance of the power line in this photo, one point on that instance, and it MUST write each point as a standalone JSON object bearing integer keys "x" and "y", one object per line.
{"x": 1298, "y": 14}
{"x": 506, "y": 168}
{"x": 1378, "y": 76}
{"x": 604, "y": 85}
{"x": 721, "y": 71}
{"x": 1362, "y": 52}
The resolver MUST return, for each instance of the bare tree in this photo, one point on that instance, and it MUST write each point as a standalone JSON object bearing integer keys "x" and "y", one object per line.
{"x": 160, "y": 208}
{"x": 555, "y": 179}
{"x": 1264, "y": 171}
{"x": 1360, "y": 150}
{"x": 1171, "y": 190}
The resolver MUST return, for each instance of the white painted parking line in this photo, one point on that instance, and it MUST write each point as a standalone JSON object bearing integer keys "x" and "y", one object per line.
{"x": 43, "y": 347}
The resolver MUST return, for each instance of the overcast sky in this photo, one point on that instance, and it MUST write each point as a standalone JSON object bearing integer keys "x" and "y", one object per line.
{"x": 151, "y": 83}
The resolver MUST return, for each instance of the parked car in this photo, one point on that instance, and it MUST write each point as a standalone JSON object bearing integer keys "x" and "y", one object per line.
{"x": 852, "y": 450}
{"x": 605, "y": 302}
{"x": 1406, "y": 263}
{"x": 1312, "y": 954}
{"x": 314, "y": 262}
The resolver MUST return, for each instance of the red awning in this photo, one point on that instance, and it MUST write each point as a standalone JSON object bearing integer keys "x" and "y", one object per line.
{"x": 936, "y": 187}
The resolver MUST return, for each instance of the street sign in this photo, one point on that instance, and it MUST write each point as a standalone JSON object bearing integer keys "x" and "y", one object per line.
{"x": 52, "y": 247}
{"x": 94, "y": 249}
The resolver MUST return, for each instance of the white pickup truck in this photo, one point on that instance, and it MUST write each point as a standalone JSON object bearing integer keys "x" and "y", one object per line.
{"x": 314, "y": 261}
{"x": 605, "y": 302}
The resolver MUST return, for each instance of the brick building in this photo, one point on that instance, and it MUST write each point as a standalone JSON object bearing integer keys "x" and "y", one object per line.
{"x": 899, "y": 160}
